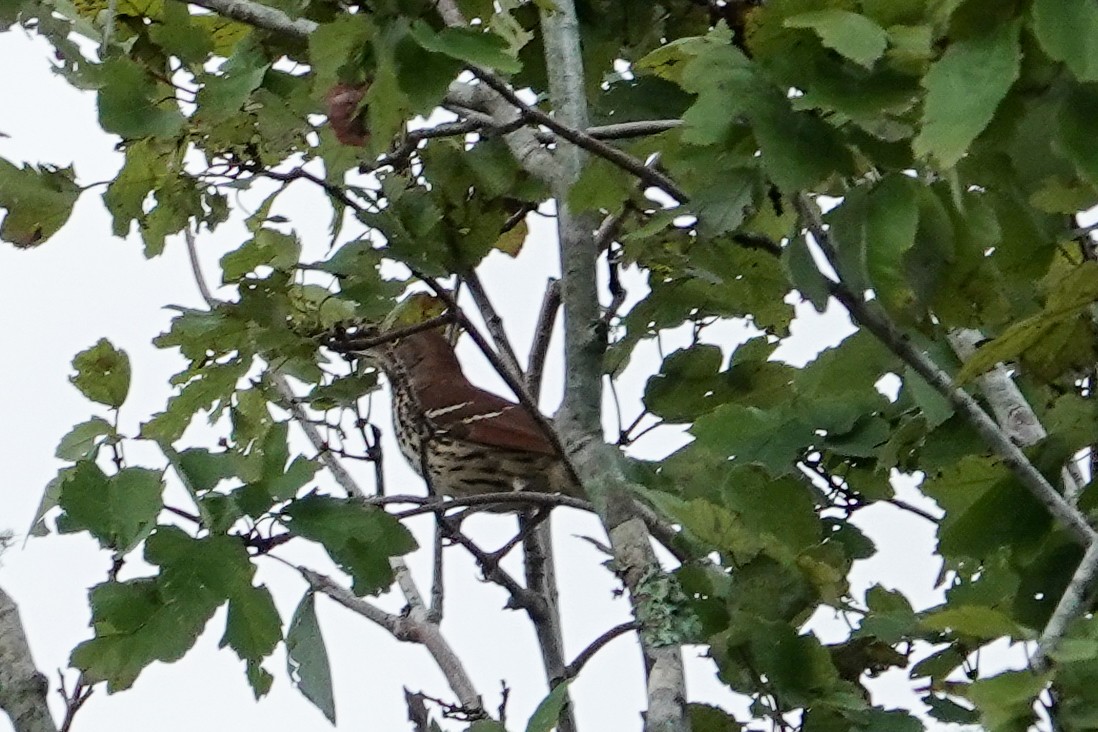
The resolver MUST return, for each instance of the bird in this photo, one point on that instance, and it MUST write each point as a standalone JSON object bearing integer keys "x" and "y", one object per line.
{"x": 463, "y": 440}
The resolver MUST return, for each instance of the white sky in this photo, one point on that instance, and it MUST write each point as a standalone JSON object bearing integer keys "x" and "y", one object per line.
{"x": 83, "y": 285}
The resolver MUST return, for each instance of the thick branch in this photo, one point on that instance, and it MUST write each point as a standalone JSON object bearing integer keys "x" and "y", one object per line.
{"x": 23, "y": 689}
{"x": 523, "y": 142}
{"x": 598, "y": 464}
{"x": 259, "y": 16}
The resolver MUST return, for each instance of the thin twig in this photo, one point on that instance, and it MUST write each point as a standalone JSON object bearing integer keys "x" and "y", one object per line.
{"x": 442, "y": 505}
{"x": 521, "y": 598}
{"x": 74, "y": 700}
{"x": 493, "y": 322}
{"x": 596, "y": 147}
{"x": 196, "y": 268}
{"x": 900, "y": 344}
{"x": 543, "y": 334}
{"x": 438, "y": 586}
{"x": 408, "y": 628}
{"x": 641, "y": 128}
{"x": 341, "y": 342}
{"x": 573, "y": 669}
{"x": 400, "y": 156}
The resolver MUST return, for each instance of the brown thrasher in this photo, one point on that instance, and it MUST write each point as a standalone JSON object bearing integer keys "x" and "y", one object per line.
{"x": 460, "y": 438}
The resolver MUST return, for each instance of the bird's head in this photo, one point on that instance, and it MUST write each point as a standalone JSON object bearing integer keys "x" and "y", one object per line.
{"x": 418, "y": 327}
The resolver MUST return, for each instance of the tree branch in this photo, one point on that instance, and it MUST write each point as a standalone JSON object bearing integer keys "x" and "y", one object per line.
{"x": 543, "y": 334}
{"x": 576, "y": 134}
{"x": 573, "y": 669}
{"x": 599, "y": 464}
{"x": 1073, "y": 604}
{"x": 529, "y": 151}
{"x": 877, "y": 323}
{"x": 260, "y": 16}
{"x": 493, "y": 322}
{"x": 23, "y": 689}
{"x": 1012, "y": 412}
{"x": 412, "y": 628}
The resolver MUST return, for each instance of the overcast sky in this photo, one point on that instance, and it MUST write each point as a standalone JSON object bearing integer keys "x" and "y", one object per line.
{"x": 85, "y": 284}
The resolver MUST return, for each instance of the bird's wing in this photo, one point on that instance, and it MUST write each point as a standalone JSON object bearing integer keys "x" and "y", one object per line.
{"x": 468, "y": 412}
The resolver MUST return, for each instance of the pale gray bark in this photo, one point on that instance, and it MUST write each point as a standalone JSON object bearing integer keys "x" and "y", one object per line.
{"x": 598, "y": 464}
{"x": 1011, "y": 409}
{"x": 260, "y": 16}
{"x": 23, "y": 689}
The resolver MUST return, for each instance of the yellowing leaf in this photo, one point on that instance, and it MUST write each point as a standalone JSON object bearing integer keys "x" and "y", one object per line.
{"x": 510, "y": 242}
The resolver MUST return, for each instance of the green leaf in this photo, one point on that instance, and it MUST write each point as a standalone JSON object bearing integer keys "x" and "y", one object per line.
{"x": 983, "y": 623}
{"x": 82, "y": 440}
{"x": 253, "y": 627}
{"x": 484, "y": 725}
{"x": 259, "y": 679}
{"x": 683, "y": 389}
{"x": 138, "y": 622}
{"x": 133, "y": 104}
{"x": 712, "y": 524}
{"x": 1068, "y": 31}
{"x": 964, "y": 88}
{"x": 946, "y": 710}
{"x": 721, "y": 208}
{"x": 601, "y": 185}
{"x": 118, "y": 511}
{"x": 220, "y": 566}
{"x": 804, "y": 274}
{"x": 890, "y": 227}
{"x": 710, "y": 718}
{"x": 934, "y": 407}
{"x": 771, "y": 438}
{"x": 1077, "y": 138}
{"x": 852, "y": 35}
{"x": 548, "y": 711}
{"x": 102, "y": 374}
{"x": 466, "y": 44}
{"x": 753, "y": 495}
{"x": 223, "y": 96}
{"x": 1006, "y": 701}
{"x": 38, "y": 202}
{"x": 215, "y": 383}
{"x": 205, "y": 469}
{"x": 307, "y": 658}
{"x": 1072, "y": 297}
{"x": 337, "y": 47}
{"x": 269, "y": 247}
{"x": 360, "y": 539}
